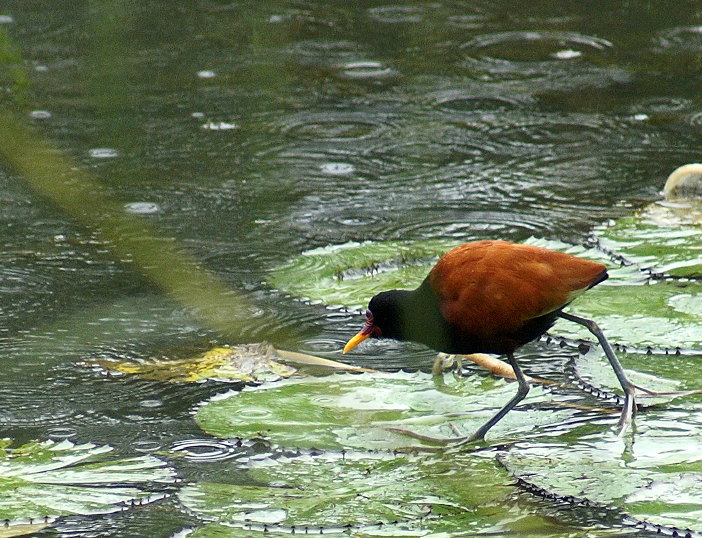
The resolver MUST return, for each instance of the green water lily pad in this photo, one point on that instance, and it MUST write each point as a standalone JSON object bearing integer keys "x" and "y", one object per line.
{"x": 359, "y": 411}
{"x": 657, "y": 237}
{"x": 594, "y": 368}
{"x": 660, "y": 314}
{"x": 657, "y": 479}
{"x": 363, "y": 494}
{"x": 47, "y": 479}
{"x": 349, "y": 274}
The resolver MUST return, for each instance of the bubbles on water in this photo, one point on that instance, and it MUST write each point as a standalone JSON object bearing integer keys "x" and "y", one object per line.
{"x": 206, "y": 74}
{"x": 530, "y": 54}
{"x": 219, "y": 126}
{"x": 40, "y": 114}
{"x": 142, "y": 208}
{"x": 344, "y": 58}
{"x": 325, "y": 51}
{"x": 468, "y": 21}
{"x": 477, "y": 101}
{"x": 355, "y": 220}
{"x": 366, "y": 69}
{"x": 254, "y": 412}
{"x": 103, "y": 153}
{"x": 665, "y": 105}
{"x": 534, "y": 46}
{"x": 6, "y": 19}
{"x": 337, "y": 169}
{"x": 696, "y": 119}
{"x": 567, "y": 54}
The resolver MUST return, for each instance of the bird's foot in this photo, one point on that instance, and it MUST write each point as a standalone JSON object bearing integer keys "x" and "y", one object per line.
{"x": 444, "y": 361}
{"x": 626, "y": 419}
{"x": 628, "y": 411}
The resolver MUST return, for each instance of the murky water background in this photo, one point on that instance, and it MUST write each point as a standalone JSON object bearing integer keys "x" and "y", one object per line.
{"x": 251, "y": 132}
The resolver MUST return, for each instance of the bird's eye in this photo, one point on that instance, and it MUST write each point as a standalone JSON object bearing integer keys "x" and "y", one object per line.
{"x": 369, "y": 315}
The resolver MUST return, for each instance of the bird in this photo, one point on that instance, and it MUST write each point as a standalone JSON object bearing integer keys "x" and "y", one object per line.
{"x": 492, "y": 297}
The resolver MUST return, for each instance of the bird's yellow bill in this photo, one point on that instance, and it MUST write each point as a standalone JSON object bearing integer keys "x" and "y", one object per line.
{"x": 360, "y": 337}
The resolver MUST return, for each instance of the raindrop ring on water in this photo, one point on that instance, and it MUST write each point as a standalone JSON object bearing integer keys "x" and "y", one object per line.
{"x": 206, "y": 450}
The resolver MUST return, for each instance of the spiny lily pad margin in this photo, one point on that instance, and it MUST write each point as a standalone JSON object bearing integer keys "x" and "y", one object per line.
{"x": 42, "y": 480}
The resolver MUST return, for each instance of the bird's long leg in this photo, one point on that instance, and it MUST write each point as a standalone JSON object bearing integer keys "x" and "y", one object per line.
{"x": 522, "y": 391}
{"x": 628, "y": 387}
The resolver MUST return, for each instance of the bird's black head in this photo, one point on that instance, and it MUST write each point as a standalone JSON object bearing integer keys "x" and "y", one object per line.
{"x": 388, "y": 313}
{"x": 411, "y": 316}
{"x": 385, "y": 317}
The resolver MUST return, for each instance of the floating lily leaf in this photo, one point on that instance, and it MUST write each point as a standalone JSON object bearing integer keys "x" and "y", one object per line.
{"x": 658, "y": 237}
{"x": 593, "y": 368}
{"x": 349, "y": 274}
{"x": 47, "y": 479}
{"x": 360, "y": 411}
{"x": 658, "y": 479}
{"x": 246, "y": 362}
{"x": 661, "y": 314}
{"x": 366, "y": 494}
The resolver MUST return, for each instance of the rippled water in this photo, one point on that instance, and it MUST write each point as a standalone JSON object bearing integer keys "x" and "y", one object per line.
{"x": 253, "y": 132}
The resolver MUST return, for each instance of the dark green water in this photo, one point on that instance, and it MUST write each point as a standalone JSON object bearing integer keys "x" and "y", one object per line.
{"x": 250, "y": 132}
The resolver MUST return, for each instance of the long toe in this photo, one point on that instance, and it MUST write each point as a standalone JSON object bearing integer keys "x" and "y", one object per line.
{"x": 628, "y": 412}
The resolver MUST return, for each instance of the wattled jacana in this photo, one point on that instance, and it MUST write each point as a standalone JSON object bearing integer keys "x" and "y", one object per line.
{"x": 491, "y": 297}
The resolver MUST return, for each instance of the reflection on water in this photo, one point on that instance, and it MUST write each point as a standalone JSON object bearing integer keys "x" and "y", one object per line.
{"x": 251, "y": 133}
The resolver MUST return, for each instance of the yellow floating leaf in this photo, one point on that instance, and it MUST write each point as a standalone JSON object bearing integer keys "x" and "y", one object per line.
{"x": 249, "y": 363}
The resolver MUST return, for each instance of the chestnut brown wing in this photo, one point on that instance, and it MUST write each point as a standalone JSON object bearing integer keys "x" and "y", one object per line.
{"x": 491, "y": 288}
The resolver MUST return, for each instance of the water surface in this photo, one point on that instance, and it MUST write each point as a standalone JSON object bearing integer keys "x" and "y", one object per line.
{"x": 249, "y": 133}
